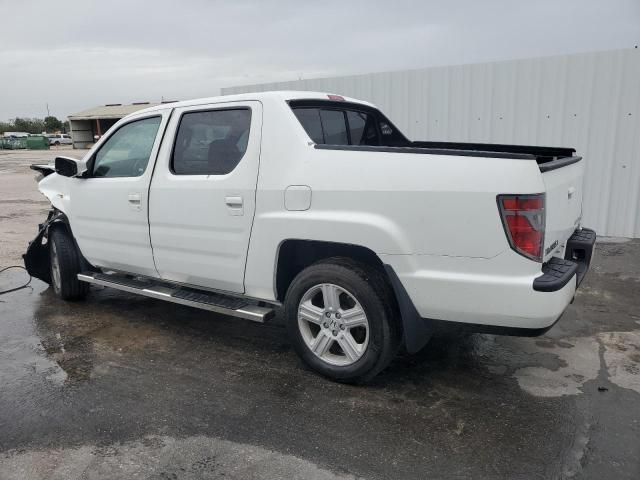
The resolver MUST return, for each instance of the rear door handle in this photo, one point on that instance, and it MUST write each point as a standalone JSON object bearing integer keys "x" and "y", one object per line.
{"x": 235, "y": 205}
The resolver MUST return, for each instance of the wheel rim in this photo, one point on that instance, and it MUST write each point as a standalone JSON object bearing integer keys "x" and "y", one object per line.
{"x": 333, "y": 324}
{"x": 55, "y": 267}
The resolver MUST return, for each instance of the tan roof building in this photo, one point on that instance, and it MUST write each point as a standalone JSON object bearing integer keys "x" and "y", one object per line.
{"x": 89, "y": 124}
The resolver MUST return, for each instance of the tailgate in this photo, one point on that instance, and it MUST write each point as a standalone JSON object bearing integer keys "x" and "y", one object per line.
{"x": 563, "y": 208}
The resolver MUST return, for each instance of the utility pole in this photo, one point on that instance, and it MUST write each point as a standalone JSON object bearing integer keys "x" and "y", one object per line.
{"x": 48, "y": 114}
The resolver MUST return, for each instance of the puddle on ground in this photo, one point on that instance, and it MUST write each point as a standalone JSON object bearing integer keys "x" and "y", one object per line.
{"x": 622, "y": 358}
{"x": 581, "y": 362}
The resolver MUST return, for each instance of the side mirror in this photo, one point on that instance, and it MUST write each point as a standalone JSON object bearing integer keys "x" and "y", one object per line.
{"x": 69, "y": 167}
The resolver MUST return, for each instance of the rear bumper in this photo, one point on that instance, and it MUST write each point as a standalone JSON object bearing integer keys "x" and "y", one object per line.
{"x": 497, "y": 292}
{"x": 558, "y": 272}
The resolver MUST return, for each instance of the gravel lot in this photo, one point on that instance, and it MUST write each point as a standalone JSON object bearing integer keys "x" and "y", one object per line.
{"x": 125, "y": 387}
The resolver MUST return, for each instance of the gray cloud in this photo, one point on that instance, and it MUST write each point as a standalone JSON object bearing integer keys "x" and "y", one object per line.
{"x": 78, "y": 54}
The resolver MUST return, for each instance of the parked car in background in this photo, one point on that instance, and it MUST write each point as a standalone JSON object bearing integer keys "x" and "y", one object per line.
{"x": 15, "y": 134}
{"x": 318, "y": 203}
{"x": 60, "y": 139}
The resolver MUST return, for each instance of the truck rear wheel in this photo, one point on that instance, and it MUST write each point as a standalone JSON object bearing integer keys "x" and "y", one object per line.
{"x": 341, "y": 318}
{"x": 65, "y": 266}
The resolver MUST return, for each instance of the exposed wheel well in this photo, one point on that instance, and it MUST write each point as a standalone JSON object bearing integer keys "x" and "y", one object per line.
{"x": 60, "y": 225}
{"x": 296, "y": 255}
{"x": 64, "y": 226}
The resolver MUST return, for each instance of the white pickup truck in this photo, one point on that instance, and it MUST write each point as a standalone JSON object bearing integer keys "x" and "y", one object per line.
{"x": 318, "y": 203}
{"x": 60, "y": 139}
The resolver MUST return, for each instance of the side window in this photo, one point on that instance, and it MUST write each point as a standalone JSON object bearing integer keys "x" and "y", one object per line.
{"x": 211, "y": 142}
{"x": 310, "y": 120}
{"x": 335, "y": 127}
{"x": 362, "y": 129}
{"x": 126, "y": 152}
{"x": 338, "y": 127}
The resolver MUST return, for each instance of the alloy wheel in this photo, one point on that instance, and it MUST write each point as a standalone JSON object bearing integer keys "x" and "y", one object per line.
{"x": 333, "y": 324}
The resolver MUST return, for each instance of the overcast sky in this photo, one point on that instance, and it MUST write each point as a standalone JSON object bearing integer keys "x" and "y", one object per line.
{"x": 79, "y": 54}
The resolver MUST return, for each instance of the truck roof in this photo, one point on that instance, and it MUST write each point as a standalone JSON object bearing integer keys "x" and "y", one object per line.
{"x": 283, "y": 95}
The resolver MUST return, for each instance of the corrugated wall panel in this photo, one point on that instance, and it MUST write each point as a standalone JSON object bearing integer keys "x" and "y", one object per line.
{"x": 589, "y": 101}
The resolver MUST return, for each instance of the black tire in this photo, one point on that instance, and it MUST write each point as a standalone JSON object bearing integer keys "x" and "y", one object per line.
{"x": 373, "y": 293}
{"x": 64, "y": 255}
{"x": 57, "y": 144}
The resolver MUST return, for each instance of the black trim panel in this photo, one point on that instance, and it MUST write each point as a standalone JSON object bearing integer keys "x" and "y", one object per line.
{"x": 417, "y": 331}
{"x": 43, "y": 169}
{"x": 498, "y": 147}
{"x": 429, "y": 151}
{"x": 449, "y": 325}
{"x": 558, "y": 163}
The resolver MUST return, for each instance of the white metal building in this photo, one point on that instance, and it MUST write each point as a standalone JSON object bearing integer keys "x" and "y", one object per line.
{"x": 590, "y": 101}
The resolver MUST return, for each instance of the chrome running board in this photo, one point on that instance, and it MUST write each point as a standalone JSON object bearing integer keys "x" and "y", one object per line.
{"x": 214, "y": 302}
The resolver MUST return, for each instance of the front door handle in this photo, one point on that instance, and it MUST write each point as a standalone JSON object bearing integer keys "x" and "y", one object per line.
{"x": 235, "y": 205}
{"x": 135, "y": 200}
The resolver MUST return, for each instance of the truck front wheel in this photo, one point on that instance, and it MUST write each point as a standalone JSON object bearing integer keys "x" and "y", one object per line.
{"x": 341, "y": 318}
{"x": 65, "y": 266}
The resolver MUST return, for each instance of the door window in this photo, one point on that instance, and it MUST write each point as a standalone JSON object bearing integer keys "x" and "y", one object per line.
{"x": 211, "y": 142}
{"x": 126, "y": 153}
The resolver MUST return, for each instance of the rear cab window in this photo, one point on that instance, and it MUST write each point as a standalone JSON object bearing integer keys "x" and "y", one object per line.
{"x": 334, "y": 127}
{"x": 343, "y": 123}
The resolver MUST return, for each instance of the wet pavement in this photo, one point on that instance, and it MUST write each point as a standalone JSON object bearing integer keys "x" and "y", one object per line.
{"x": 120, "y": 386}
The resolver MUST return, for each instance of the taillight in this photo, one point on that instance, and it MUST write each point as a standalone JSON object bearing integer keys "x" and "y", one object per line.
{"x": 523, "y": 221}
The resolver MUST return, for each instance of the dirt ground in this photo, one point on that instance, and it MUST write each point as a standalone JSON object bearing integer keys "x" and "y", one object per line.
{"x": 120, "y": 386}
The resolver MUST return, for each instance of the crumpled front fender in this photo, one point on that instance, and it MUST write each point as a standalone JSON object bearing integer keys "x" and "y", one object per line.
{"x": 56, "y": 188}
{"x": 36, "y": 258}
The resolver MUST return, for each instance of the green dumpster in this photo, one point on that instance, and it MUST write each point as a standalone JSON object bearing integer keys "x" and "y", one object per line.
{"x": 11, "y": 143}
{"x": 37, "y": 142}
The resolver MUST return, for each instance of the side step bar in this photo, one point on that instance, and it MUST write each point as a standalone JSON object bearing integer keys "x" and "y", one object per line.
{"x": 214, "y": 302}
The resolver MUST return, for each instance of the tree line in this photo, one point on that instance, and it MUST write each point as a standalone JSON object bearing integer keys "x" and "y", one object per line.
{"x": 34, "y": 125}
